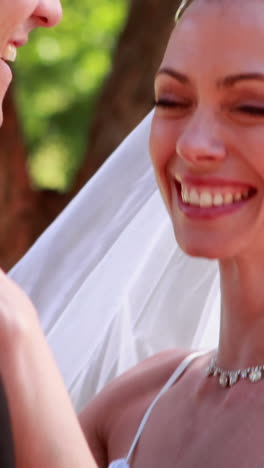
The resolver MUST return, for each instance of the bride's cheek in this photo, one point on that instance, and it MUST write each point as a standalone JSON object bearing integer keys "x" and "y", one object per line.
{"x": 163, "y": 181}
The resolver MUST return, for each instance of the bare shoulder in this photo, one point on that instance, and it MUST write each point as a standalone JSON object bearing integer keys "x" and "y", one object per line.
{"x": 126, "y": 399}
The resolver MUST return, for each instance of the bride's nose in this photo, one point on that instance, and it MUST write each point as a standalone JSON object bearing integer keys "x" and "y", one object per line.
{"x": 47, "y": 13}
{"x": 201, "y": 142}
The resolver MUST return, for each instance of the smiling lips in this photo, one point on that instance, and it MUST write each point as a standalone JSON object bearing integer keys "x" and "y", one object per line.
{"x": 204, "y": 196}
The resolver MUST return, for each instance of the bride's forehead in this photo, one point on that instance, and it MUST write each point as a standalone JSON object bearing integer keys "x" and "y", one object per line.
{"x": 223, "y": 24}
{"x": 223, "y": 11}
{"x": 223, "y": 5}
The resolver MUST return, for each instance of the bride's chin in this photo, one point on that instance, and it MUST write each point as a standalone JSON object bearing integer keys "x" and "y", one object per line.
{"x": 204, "y": 249}
{"x": 198, "y": 252}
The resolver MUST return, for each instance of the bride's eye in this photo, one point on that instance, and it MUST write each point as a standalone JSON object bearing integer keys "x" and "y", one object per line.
{"x": 255, "y": 111}
{"x": 167, "y": 103}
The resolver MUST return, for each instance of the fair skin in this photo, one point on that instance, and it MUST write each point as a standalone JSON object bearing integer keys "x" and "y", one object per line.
{"x": 207, "y": 141}
{"x": 45, "y": 429}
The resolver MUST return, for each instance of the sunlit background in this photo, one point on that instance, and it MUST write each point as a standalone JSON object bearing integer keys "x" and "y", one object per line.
{"x": 78, "y": 90}
{"x": 58, "y": 77}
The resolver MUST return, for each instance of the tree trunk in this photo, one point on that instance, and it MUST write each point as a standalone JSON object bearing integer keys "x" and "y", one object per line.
{"x": 24, "y": 212}
{"x": 128, "y": 92}
{"x": 17, "y": 199}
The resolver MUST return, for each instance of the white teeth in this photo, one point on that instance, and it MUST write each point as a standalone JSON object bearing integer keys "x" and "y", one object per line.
{"x": 185, "y": 195}
{"x": 218, "y": 199}
{"x": 205, "y": 199}
{"x": 194, "y": 197}
{"x": 10, "y": 53}
{"x": 228, "y": 198}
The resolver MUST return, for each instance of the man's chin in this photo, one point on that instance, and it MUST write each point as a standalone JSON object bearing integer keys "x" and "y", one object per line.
{"x": 6, "y": 74}
{"x": 5, "y": 81}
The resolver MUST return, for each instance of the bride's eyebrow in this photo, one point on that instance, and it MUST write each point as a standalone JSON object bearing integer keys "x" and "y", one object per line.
{"x": 226, "y": 82}
{"x": 174, "y": 74}
{"x": 232, "y": 80}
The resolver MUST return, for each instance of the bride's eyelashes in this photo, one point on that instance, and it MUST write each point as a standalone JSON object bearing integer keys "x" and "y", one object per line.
{"x": 168, "y": 103}
{"x": 251, "y": 110}
{"x": 254, "y": 111}
{"x": 165, "y": 103}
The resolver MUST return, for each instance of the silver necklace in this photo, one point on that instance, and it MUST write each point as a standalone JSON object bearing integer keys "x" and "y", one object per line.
{"x": 228, "y": 378}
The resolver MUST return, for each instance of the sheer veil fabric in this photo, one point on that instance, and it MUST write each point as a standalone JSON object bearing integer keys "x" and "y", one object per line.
{"x": 110, "y": 283}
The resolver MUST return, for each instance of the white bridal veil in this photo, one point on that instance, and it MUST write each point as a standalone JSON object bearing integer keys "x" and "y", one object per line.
{"x": 109, "y": 282}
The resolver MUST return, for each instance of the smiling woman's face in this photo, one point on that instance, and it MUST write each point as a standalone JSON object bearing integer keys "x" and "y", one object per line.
{"x": 17, "y": 19}
{"x": 207, "y": 139}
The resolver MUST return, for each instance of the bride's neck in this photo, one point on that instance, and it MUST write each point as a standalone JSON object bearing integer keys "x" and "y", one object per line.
{"x": 241, "y": 341}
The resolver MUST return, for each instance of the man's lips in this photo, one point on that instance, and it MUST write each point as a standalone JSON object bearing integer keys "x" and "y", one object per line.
{"x": 9, "y": 53}
{"x": 19, "y": 42}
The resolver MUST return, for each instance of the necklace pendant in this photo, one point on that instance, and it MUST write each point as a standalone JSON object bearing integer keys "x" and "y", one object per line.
{"x": 255, "y": 375}
{"x": 223, "y": 380}
{"x": 233, "y": 378}
{"x": 209, "y": 371}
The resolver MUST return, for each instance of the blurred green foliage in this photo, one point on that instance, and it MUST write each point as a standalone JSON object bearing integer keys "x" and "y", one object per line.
{"x": 58, "y": 76}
